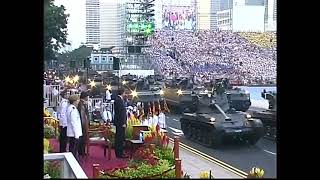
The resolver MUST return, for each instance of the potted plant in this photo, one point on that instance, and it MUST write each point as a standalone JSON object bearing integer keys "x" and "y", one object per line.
{"x": 256, "y": 173}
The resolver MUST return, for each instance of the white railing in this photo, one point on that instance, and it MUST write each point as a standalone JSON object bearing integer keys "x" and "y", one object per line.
{"x": 51, "y": 93}
{"x": 70, "y": 167}
{"x": 93, "y": 102}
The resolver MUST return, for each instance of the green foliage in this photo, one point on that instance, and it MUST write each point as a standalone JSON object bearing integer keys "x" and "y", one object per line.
{"x": 52, "y": 168}
{"x": 79, "y": 55}
{"x": 144, "y": 170}
{"x": 55, "y": 28}
{"x": 165, "y": 153}
{"x": 142, "y": 166}
{"x": 48, "y": 132}
{"x": 129, "y": 132}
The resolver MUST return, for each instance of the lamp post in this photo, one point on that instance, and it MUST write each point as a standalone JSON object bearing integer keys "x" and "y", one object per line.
{"x": 86, "y": 64}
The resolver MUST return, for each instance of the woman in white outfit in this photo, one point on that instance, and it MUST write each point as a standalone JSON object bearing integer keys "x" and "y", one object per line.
{"x": 74, "y": 128}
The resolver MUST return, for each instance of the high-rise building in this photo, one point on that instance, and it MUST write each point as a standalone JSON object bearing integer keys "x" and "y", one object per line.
{"x": 111, "y": 27}
{"x": 248, "y": 17}
{"x": 92, "y": 21}
{"x": 104, "y": 23}
{"x": 270, "y": 18}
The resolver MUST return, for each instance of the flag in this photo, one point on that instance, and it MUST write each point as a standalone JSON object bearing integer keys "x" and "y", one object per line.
{"x": 153, "y": 108}
{"x": 166, "y": 106}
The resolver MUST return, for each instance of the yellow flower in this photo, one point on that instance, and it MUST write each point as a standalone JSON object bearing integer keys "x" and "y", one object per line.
{"x": 204, "y": 175}
{"x": 45, "y": 145}
{"x": 257, "y": 172}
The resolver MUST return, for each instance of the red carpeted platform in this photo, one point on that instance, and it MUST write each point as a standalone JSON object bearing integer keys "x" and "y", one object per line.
{"x": 96, "y": 157}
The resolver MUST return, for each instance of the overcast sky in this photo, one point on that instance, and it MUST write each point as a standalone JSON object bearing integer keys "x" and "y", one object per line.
{"x": 76, "y": 21}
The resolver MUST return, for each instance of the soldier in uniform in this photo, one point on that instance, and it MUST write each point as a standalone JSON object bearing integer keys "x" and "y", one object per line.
{"x": 84, "y": 116}
{"x": 74, "y": 128}
{"x": 62, "y": 116}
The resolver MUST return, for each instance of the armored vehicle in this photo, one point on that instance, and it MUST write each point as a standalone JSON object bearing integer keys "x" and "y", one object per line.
{"x": 180, "y": 95}
{"x": 239, "y": 99}
{"x": 268, "y": 117}
{"x": 214, "y": 122}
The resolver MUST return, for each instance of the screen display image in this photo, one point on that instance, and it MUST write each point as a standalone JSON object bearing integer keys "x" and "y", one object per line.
{"x": 178, "y": 17}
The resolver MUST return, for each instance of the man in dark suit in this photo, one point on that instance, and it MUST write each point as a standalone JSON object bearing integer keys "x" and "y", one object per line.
{"x": 120, "y": 121}
{"x": 84, "y": 116}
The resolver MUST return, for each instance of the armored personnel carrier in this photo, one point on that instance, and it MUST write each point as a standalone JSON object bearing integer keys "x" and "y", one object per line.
{"x": 214, "y": 122}
{"x": 180, "y": 94}
{"x": 269, "y": 116}
{"x": 238, "y": 98}
{"x": 146, "y": 89}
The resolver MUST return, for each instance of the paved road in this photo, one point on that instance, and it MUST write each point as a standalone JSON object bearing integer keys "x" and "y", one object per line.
{"x": 243, "y": 157}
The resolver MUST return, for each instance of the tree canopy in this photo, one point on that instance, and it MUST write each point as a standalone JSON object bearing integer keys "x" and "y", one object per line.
{"x": 55, "y": 28}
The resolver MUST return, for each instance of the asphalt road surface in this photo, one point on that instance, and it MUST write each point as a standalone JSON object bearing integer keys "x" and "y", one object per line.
{"x": 241, "y": 156}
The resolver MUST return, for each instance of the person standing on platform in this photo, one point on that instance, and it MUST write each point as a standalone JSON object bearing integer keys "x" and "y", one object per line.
{"x": 84, "y": 116}
{"x": 74, "y": 128}
{"x": 108, "y": 96}
{"x": 62, "y": 116}
{"x": 120, "y": 121}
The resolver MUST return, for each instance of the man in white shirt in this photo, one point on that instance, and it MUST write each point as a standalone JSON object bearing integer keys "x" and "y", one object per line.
{"x": 74, "y": 128}
{"x": 108, "y": 95}
{"x": 106, "y": 115}
{"x": 162, "y": 120}
{"x": 62, "y": 116}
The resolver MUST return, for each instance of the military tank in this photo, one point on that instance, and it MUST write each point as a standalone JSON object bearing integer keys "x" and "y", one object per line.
{"x": 239, "y": 99}
{"x": 269, "y": 116}
{"x": 214, "y": 122}
{"x": 180, "y": 94}
{"x": 145, "y": 89}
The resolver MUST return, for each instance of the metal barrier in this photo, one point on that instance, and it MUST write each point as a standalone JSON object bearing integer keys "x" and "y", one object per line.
{"x": 70, "y": 167}
{"x": 51, "y": 93}
{"x": 93, "y": 102}
{"x": 101, "y": 104}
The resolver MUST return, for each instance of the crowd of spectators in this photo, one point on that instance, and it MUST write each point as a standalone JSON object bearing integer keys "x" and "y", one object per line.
{"x": 248, "y": 57}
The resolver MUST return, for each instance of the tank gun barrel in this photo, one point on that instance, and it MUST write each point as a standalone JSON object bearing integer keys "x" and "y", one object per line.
{"x": 222, "y": 112}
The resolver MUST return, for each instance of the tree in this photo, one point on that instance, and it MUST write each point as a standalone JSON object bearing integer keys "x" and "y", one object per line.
{"x": 78, "y": 55}
{"x": 55, "y": 28}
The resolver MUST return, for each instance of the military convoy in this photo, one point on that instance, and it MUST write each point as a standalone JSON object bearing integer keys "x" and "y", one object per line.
{"x": 215, "y": 121}
{"x": 181, "y": 94}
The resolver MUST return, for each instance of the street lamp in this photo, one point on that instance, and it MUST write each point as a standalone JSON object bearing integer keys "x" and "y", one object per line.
{"x": 86, "y": 65}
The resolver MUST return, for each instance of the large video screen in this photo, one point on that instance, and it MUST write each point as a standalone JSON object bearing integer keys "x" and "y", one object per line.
{"x": 178, "y": 17}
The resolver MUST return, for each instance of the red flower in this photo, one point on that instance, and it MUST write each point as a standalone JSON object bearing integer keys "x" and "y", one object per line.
{"x": 157, "y": 128}
{"x": 167, "y": 140}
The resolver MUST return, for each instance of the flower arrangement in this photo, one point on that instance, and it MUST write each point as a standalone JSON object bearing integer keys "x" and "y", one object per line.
{"x": 156, "y": 137}
{"x": 206, "y": 175}
{"x": 165, "y": 153}
{"x": 256, "y": 173}
{"x": 144, "y": 170}
{"x": 48, "y": 131}
{"x": 145, "y": 155}
{"x": 51, "y": 169}
{"x": 132, "y": 120}
{"x": 46, "y": 113}
{"x": 45, "y": 146}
